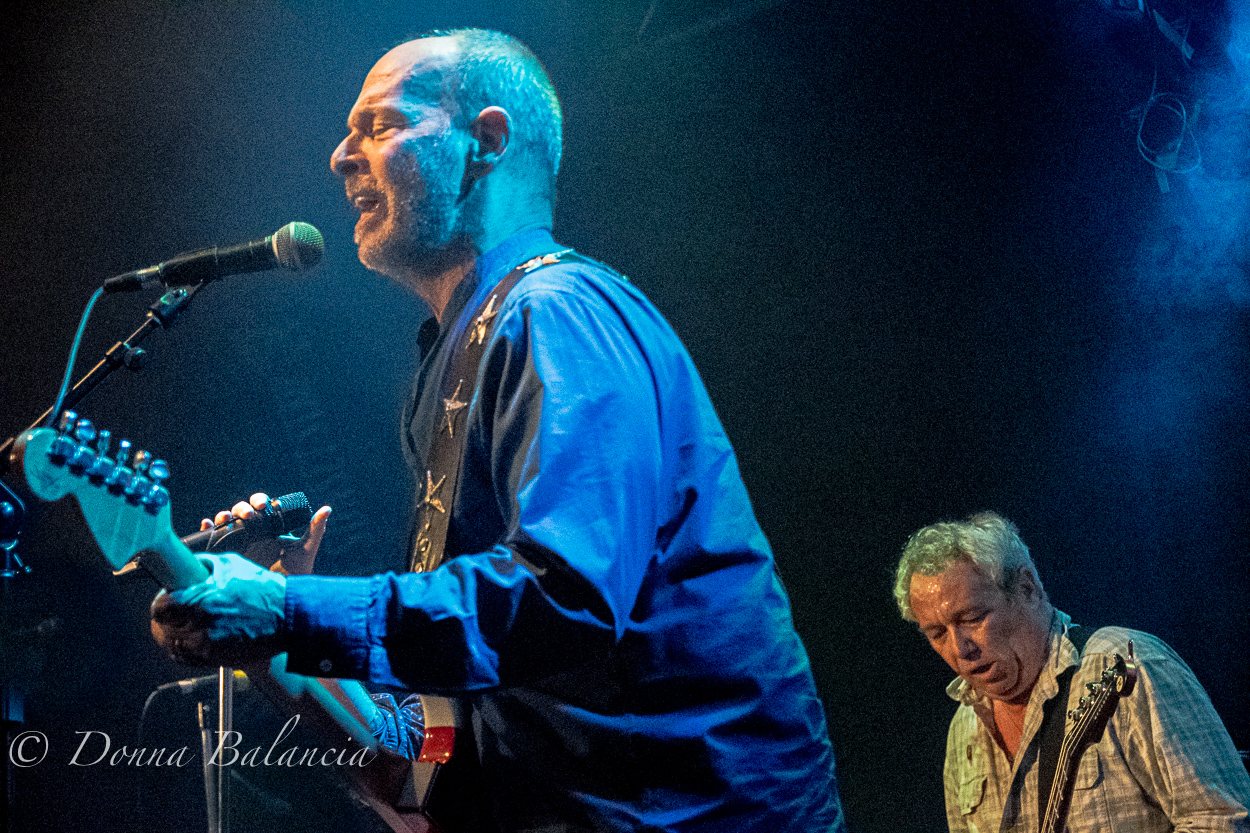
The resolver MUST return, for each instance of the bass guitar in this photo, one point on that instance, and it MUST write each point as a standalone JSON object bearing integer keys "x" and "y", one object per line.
{"x": 1085, "y": 726}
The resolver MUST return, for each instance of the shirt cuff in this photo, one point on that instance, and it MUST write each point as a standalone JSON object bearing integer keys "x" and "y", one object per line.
{"x": 326, "y": 626}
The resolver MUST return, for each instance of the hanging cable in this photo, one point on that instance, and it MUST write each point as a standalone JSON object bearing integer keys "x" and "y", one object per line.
{"x": 1167, "y": 153}
{"x": 73, "y": 355}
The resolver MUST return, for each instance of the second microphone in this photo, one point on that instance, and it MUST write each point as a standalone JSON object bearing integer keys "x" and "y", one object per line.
{"x": 281, "y": 516}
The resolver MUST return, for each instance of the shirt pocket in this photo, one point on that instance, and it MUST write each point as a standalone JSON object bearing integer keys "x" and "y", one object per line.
{"x": 1089, "y": 795}
{"x": 1089, "y": 771}
{"x": 972, "y": 781}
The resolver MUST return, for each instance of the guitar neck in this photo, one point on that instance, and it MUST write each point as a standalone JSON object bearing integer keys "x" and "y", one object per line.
{"x": 337, "y": 711}
{"x": 342, "y": 705}
{"x": 128, "y": 513}
{"x": 1061, "y": 794}
{"x": 177, "y": 568}
{"x": 1089, "y": 720}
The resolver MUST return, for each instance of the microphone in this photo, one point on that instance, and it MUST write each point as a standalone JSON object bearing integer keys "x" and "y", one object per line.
{"x": 196, "y": 685}
{"x": 279, "y": 517}
{"x": 294, "y": 246}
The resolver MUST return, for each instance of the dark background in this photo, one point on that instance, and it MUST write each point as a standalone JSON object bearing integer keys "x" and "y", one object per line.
{"x": 913, "y": 247}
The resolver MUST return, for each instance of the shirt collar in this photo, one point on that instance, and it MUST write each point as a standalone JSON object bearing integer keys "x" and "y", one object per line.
{"x": 490, "y": 268}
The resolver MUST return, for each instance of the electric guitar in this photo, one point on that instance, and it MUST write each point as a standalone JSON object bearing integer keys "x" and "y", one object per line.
{"x": 126, "y": 506}
{"x": 1087, "y": 722}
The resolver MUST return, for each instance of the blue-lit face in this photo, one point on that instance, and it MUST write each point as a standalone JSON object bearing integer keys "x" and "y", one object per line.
{"x": 402, "y": 162}
{"x": 995, "y": 641}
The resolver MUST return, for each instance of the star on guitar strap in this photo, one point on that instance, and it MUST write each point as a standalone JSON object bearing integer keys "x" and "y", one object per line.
{"x": 442, "y": 475}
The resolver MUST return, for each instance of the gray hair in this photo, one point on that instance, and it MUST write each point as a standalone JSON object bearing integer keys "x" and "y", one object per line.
{"x": 986, "y": 540}
{"x": 494, "y": 69}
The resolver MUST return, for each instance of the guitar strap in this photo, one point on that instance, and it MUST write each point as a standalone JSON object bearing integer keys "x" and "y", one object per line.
{"x": 1052, "y": 728}
{"x": 450, "y": 804}
{"x": 442, "y": 476}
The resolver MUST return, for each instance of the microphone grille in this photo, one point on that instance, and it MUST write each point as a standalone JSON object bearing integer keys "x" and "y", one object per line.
{"x": 298, "y": 246}
{"x": 287, "y": 512}
{"x": 296, "y": 502}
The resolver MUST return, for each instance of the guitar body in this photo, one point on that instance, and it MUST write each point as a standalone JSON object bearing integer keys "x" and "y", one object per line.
{"x": 128, "y": 513}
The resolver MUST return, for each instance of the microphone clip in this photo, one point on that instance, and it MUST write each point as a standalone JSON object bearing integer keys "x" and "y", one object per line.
{"x": 172, "y": 304}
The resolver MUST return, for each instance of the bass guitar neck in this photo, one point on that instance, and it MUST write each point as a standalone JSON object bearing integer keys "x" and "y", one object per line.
{"x": 1085, "y": 726}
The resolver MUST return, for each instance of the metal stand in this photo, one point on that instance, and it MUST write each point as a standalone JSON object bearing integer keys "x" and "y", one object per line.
{"x": 216, "y": 782}
{"x": 11, "y": 718}
{"x": 12, "y": 513}
{"x": 11, "y": 696}
{"x": 122, "y": 354}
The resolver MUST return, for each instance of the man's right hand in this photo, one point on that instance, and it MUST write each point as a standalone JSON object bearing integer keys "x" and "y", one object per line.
{"x": 286, "y": 554}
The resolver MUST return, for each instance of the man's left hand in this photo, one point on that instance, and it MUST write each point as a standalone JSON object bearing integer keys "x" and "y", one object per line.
{"x": 233, "y": 618}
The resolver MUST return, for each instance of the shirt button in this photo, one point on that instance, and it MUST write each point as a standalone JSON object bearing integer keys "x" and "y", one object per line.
{"x": 325, "y": 665}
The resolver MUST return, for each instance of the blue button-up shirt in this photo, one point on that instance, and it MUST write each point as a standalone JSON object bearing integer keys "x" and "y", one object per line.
{"x": 608, "y": 610}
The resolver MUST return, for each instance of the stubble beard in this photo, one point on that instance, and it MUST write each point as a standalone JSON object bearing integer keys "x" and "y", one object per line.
{"x": 423, "y": 232}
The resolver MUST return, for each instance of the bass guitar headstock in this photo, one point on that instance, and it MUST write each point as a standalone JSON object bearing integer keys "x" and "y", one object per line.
{"x": 1090, "y": 716}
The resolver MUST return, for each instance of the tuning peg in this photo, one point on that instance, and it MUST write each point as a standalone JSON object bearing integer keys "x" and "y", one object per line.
{"x": 101, "y": 467}
{"x": 84, "y": 431}
{"x": 157, "y": 496}
{"x": 138, "y": 490}
{"x": 66, "y": 423}
{"x": 82, "y": 457}
{"x": 118, "y": 480}
{"x": 139, "y": 486}
{"x": 1093, "y": 688}
{"x": 62, "y": 447}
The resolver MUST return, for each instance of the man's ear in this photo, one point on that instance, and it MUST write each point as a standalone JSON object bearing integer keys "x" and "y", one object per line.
{"x": 491, "y": 131}
{"x": 1027, "y": 589}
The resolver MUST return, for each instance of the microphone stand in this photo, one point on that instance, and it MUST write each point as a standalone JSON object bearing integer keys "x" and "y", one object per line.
{"x": 161, "y": 314}
{"x": 216, "y": 783}
{"x": 12, "y": 706}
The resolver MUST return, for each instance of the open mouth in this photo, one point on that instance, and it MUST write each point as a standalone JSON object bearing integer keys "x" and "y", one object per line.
{"x": 364, "y": 203}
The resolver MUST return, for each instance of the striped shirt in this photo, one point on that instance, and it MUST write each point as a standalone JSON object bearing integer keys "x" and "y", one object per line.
{"x": 1165, "y": 761}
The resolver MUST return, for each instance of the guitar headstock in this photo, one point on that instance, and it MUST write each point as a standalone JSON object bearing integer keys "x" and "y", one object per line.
{"x": 123, "y": 498}
{"x": 1095, "y": 708}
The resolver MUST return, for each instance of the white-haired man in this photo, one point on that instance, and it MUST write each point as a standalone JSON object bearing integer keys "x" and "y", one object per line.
{"x": 1165, "y": 761}
{"x": 589, "y": 580}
